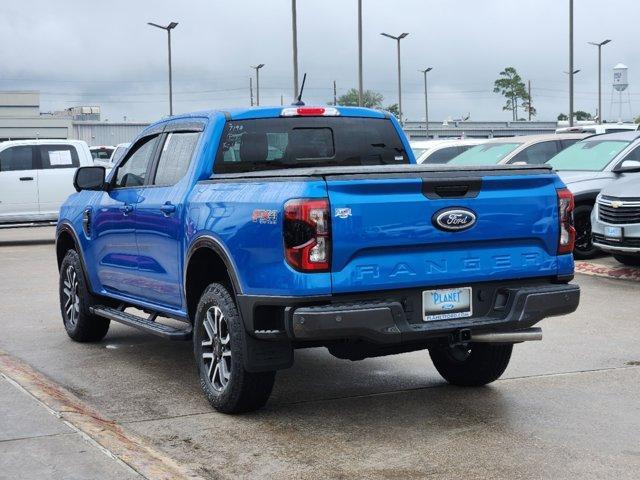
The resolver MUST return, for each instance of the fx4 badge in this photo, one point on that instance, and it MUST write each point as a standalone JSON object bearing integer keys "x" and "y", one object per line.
{"x": 343, "y": 212}
{"x": 454, "y": 219}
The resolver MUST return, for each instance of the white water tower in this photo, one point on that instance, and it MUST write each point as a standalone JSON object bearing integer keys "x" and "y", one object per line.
{"x": 620, "y": 77}
{"x": 621, "y": 85}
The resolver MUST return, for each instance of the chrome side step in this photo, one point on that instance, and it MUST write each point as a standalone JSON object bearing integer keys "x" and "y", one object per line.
{"x": 145, "y": 324}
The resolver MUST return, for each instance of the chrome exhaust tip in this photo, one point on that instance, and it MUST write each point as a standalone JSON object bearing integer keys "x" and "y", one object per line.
{"x": 515, "y": 336}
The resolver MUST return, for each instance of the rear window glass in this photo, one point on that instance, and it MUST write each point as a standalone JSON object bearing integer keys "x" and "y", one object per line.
{"x": 589, "y": 155}
{"x": 485, "y": 154}
{"x": 261, "y": 144}
{"x": 101, "y": 153}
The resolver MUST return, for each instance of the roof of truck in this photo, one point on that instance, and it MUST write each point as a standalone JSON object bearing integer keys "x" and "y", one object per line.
{"x": 275, "y": 111}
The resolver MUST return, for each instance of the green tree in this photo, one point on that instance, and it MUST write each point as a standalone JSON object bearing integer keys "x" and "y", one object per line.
{"x": 511, "y": 86}
{"x": 637, "y": 119}
{"x": 582, "y": 115}
{"x": 562, "y": 117}
{"x": 527, "y": 106}
{"x": 370, "y": 99}
{"x": 395, "y": 109}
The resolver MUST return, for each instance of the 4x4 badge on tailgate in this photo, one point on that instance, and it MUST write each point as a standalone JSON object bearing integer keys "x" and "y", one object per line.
{"x": 454, "y": 219}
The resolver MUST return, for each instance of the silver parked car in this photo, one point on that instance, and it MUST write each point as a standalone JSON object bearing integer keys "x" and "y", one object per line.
{"x": 587, "y": 167}
{"x": 616, "y": 221}
{"x": 522, "y": 150}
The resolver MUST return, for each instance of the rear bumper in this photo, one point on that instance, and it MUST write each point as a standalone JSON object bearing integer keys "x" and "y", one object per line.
{"x": 396, "y": 317}
{"x": 385, "y": 322}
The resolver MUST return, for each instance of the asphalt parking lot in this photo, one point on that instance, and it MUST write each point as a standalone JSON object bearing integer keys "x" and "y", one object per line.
{"x": 567, "y": 407}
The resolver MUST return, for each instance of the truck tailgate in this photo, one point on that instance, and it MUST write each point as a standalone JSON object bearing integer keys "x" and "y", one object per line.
{"x": 384, "y": 231}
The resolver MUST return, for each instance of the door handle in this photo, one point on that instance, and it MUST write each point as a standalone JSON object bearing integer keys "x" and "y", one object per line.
{"x": 126, "y": 209}
{"x": 168, "y": 208}
{"x": 26, "y": 179}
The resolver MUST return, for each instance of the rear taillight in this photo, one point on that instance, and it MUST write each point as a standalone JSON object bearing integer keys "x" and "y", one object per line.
{"x": 307, "y": 234}
{"x": 567, "y": 235}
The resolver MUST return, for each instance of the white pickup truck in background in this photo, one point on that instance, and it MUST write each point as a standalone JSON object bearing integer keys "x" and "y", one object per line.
{"x": 36, "y": 177}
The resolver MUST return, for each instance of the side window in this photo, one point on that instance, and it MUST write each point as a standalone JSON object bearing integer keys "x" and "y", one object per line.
{"x": 133, "y": 170}
{"x": 568, "y": 142}
{"x": 633, "y": 155}
{"x": 16, "y": 158}
{"x": 443, "y": 155}
{"x": 58, "y": 156}
{"x": 537, "y": 154}
{"x": 175, "y": 157}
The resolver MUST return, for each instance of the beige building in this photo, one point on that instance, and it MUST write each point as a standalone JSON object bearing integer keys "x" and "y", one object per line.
{"x": 20, "y": 118}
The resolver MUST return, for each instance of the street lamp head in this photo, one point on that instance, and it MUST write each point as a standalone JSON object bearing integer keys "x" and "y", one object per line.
{"x": 426, "y": 70}
{"x": 171, "y": 26}
{"x": 398, "y": 38}
{"x": 600, "y": 44}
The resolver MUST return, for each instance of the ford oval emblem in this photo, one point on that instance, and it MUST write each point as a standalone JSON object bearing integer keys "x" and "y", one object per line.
{"x": 454, "y": 219}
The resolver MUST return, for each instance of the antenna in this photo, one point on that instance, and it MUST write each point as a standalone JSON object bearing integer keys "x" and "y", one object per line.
{"x": 299, "y": 102}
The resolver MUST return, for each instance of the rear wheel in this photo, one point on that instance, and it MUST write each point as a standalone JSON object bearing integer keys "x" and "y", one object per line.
{"x": 75, "y": 300}
{"x": 584, "y": 248}
{"x": 630, "y": 260}
{"x": 218, "y": 347}
{"x": 471, "y": 365}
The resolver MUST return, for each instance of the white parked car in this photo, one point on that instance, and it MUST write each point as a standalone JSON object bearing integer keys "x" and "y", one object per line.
{"x": 101, "y": 154}
{"x": 598, "y": 129}
{"x": 441, "y": 151}
{"x": 36, "y": 177}
{"x": 116, "y": 154}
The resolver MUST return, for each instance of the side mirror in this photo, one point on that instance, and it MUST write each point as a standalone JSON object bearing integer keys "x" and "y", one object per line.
{"x": 629, "y": 166}
{"x": 89, "y": 178}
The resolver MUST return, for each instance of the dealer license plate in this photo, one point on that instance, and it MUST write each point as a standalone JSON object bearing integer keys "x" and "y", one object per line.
{"x": 446, "y": 303}
{"x": 614, "y": 233}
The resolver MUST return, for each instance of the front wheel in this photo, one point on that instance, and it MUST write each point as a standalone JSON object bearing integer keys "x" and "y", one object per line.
{"x": 75, "y": 300}
{"x": 472, "y": 365}
{"x": 584, "y": 248}
{"x": 630, "y": 260}
{"x": 218, "y": 341}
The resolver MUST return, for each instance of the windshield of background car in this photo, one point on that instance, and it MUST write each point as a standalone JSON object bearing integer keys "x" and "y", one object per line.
{"x": 485, "y": 154}
{"x": 271, "y": 143}
{"x": 589, "y": 155}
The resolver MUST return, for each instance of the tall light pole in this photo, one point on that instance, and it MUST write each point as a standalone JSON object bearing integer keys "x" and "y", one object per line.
{"x": 426, "y": 99}
{"x": 257, "y": 69}
{"x": 294, "y": 30}
{"x": 397, "y": 39}
{"x": 571, "y": 74}
{"x": 360, "y": 83}
{"x": 571, "y": 63}
{"x": 599, "y": 45}
{"x": 168, "y": 28}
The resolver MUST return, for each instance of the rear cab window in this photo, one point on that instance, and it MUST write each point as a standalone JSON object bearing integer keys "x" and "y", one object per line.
{"x": 274, "y": 143}
{"x": 58, "y": 156}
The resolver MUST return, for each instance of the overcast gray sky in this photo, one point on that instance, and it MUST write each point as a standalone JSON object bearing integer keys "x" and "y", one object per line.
{"x": 102, "y": 52}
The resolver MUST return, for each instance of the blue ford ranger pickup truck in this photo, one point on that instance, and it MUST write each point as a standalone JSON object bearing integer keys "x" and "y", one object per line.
{"x": 259, "y": 231}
